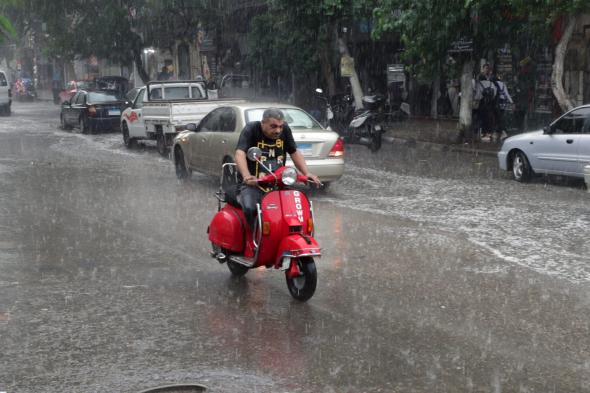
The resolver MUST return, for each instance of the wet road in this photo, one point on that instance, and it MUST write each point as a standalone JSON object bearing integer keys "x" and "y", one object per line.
{"x": 439, "y": 275}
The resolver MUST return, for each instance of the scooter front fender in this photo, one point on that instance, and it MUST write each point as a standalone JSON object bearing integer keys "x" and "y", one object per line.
{"x": 296, "y": 246}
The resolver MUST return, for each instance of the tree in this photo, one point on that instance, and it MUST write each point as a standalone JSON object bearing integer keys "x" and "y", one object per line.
{"x": 116, "y": 30}
{"x": 430, "y": 27}
{"x": 300, "y": 37}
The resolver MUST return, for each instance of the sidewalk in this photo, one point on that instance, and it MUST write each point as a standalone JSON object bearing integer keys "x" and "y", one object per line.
{"x": 440, "y": 134}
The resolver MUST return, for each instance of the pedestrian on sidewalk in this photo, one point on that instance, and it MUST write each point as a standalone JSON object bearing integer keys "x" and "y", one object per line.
{"x": 503, "y": 103}
{"x": 485, "y": 95}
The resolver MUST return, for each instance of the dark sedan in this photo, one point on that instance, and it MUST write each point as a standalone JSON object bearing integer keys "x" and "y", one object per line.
{"x": 92, "y": 111}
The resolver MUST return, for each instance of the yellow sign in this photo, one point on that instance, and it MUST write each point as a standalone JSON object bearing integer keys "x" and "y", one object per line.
{"x": 346, "y": 66}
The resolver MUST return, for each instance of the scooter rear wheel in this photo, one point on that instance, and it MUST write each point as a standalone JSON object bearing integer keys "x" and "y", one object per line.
{"x": 303, "y": 287}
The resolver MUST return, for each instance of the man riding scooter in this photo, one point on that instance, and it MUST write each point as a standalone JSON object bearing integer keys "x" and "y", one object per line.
{"x": 275, "y": 139}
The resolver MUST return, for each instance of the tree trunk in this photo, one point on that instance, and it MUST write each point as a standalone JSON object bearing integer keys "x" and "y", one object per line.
{"x": 357, "y": 91}
{"x": 327, "y": 69}
{"x": 465, "y": 118}
{"x": 139, "y": 64}
{"x": 434, "y": 98}
{"x": 558, "y": 65}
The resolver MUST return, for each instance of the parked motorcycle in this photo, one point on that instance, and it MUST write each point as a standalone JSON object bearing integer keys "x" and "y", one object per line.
{"x": 282, "y": 236}
{"x": 366, "y": 127}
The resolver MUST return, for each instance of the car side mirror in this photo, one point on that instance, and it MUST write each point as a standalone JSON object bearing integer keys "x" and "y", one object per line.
{"x": 191, "y": 127}
{"x": 547, "y": 130}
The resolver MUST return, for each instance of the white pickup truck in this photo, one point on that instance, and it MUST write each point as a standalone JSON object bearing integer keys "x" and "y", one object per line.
{"x": 160, "y": 110}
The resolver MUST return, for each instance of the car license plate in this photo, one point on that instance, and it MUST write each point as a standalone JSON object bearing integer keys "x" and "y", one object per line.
{"x": 114, "y": 112}
{"x": 305, "y": 148}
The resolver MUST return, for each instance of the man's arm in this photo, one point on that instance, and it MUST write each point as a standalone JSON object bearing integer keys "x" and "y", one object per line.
{"x": 242, "y": 164}
{"x": 300, "y": 164}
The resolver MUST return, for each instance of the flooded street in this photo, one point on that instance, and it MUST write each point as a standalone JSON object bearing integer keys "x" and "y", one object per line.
{"x": 438, "y": 274}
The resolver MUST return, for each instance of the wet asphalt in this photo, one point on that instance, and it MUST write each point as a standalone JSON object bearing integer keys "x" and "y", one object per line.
{"x": 439, "y": 274}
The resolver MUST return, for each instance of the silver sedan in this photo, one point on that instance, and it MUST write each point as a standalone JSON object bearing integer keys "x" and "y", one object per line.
{"x": 213, "y": 142}
{"x": 562, "y": 148}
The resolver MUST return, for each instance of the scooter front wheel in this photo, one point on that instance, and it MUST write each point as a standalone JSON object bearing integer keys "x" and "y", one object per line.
{"x": 302, "y": 287}
{"x": 236, "y": 269}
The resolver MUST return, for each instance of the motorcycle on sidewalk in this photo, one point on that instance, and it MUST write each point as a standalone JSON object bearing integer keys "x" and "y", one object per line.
{"x": 282, "y": 237}
{"x": 362, "y": 127}
{"x": 366, "y": 127}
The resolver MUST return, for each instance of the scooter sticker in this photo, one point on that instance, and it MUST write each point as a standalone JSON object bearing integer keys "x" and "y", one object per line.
{"x": 298, "y": 207}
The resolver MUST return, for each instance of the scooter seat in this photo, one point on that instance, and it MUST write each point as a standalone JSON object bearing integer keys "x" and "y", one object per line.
{"x": 231, "y": 195}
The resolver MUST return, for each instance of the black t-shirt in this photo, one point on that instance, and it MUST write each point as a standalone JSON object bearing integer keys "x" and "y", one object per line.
{"x": 273, "y": 150}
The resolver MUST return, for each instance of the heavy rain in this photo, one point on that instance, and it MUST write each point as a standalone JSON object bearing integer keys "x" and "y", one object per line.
{"x": 454, "y": 252}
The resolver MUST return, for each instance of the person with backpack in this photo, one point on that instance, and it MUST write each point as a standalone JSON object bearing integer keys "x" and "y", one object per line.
{"x": 486, "y": 93}
{"x": 503, "y": 103}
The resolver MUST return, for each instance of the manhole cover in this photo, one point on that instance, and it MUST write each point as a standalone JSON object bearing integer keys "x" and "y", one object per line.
{"x": 182, "y": 388}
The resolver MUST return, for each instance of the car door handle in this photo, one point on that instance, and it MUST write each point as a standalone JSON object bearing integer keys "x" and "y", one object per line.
{"x": 203, "y": 139}
{"x": 569, "y": 141}
{"x": 223, "y": 141}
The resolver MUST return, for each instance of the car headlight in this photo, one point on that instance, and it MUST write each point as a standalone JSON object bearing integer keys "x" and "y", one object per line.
{"x": 289, "y": 176}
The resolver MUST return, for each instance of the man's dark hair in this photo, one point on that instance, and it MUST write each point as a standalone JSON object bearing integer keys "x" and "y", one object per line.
{"x": 273, "y": 113}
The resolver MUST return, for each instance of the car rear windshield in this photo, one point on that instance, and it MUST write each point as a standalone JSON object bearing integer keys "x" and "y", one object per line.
{"x": 100, "y": 96}
{"x": 296, "y": 118}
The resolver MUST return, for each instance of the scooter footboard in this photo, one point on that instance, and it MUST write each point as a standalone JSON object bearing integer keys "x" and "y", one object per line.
{"x": 297, "y": 245}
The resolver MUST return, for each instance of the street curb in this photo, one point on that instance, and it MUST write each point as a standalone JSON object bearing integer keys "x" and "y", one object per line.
{"x": 411, "y": 142}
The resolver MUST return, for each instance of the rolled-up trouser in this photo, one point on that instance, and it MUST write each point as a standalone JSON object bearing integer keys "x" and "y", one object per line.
{"x": 248, "y": 198}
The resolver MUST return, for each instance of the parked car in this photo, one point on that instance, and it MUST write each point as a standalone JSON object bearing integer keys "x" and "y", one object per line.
{"x": 93, "y": 110}
{"x": 5, "y": 95}
{"x": 73, "y": 87}
{"x": 214, "y": 140}
{"x": 561, "y": 148}
{"x": 163, "y": 112}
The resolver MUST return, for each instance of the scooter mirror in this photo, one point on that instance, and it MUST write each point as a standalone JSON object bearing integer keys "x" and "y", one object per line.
{"x": 319, "y": 91}
{"x": 254, "y": 153}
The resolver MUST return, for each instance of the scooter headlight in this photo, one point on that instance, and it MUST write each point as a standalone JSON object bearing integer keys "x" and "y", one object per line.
{"x": 289, "y": 176}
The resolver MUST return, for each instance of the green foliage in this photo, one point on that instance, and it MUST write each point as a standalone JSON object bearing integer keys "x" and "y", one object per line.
{"x": 292, "y": 35}
{"x": 429, "y": 27}
{"x": 7, "y": 31}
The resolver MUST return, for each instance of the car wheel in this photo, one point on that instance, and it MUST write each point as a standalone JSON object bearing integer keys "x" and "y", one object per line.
{"x": 63, "y": 124}
{"x": 182, "y": 172}
{"x": 521, "y": 169}
{"x": 83, "y": 125}
{"x": 303, "y": 286}
{"x": 127, "y": 140}
{"x": 161, "y": 144}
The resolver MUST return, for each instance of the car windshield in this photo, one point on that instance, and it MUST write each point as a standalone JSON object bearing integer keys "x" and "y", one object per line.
{"x": 296, "y": 118}
{"x": 103, "y": 96}
{"x": 84, "y": 85}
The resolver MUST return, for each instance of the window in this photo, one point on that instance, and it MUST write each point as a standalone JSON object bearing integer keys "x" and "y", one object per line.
{"x": 227, "y": 120}
{"x": 176, "y": 93}
{"x": 196, "y": 92}
{"x": 295, "y": 118}
{"x": 156, "y": 93}
{"x": 3, "y": 81}
{"x": 79, "y": 98}
{"x": 573, "y": 122}
{"x": 99, "y": 96}
{"x": 211, "y": 121}
{"x": 139, "y": 99}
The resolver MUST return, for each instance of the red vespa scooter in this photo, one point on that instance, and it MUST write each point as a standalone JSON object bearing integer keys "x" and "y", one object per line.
{"x": 283, "y": 234}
